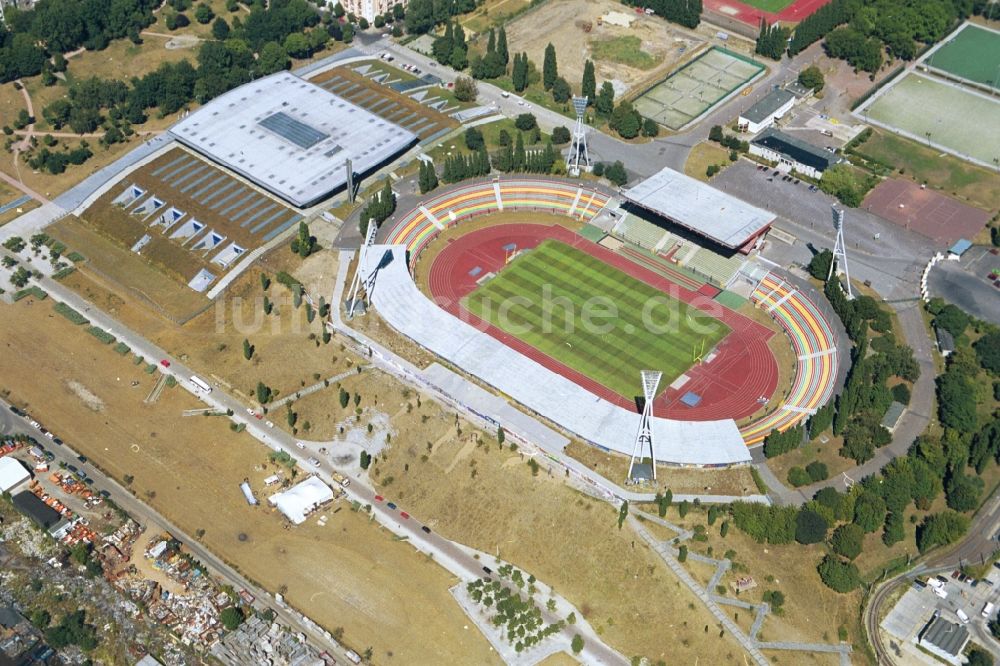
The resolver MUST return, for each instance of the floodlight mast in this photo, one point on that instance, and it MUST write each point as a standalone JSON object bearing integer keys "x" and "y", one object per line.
{"x": 644, "y": 436}
{"x": 352, "y": 299}
{"x": 579, "y": 157}
{"x": 839, "y": 262}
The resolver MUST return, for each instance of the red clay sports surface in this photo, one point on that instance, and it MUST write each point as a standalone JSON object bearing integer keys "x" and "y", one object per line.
{"x": 793, "y": 13}
{"x": 743, "y": 370}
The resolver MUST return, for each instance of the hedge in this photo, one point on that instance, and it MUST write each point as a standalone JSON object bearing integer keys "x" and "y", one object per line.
{"x": 122, "y": 348}
{"x": 75, "y": 257}
{"x": 60, "y": 274}
{"x": 35, "y": 291}
{"x": 101, "y": 334}
{"x": 70, "y": 313}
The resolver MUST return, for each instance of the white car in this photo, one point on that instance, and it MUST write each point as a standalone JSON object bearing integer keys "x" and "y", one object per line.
{"x": 269, "y": 424}
{"x": 50, "y": 435}
{"x": 314, "y": 462}
{"x": 300, "y": 445}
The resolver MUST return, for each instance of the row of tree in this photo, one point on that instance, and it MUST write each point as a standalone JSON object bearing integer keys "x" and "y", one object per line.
{"x": 379, "y": 208}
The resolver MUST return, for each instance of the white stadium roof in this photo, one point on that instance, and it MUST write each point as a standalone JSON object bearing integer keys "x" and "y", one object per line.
{"x": 291, "y": 137}
{"x": 702, "y": 208}
{"x": 526, "y": 381}
{"x": 12, "y": 473}
{"x": 299, "y": 500}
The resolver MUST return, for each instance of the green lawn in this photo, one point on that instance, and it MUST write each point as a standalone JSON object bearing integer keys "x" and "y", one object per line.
{"x": 772, "y": 6}
{"x": 626, "y": 50}
{"x": 555, "y": 286}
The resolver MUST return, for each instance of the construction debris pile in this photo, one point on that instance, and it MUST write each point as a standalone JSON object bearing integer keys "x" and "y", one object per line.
{"x": 259, "y": 641}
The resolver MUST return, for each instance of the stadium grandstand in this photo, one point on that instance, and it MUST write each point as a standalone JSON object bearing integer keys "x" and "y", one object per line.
{"x": 690, "y": 204}
{"x": 291, "y": 137}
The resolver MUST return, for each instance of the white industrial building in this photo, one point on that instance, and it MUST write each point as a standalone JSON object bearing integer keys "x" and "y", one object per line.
{"x": 13, "y": 475}
{"x": 793, "y": 154}
{"x": 291, "y": 138}
{"x": 302, "y": 499}
{"x": 769, "y": 108}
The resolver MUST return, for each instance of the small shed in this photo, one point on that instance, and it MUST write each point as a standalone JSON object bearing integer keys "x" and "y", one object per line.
{"x": 945, "y": 341}
{"x": 960, "y": 247}
{"x": 892, "y": 416}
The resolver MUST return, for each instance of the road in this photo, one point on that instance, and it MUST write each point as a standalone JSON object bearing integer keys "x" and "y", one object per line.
{"x": 457, "y": 560}
{"x": 151, "y": 519}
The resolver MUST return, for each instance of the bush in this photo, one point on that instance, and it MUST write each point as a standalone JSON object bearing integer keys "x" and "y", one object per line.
{"x": 901, "y": 394}
{"x": 817, "y": 471}
{"x": 838, "y": 575}
{"x": 70, "y": 314}
{"x": 798, "y": 477}
{"x": 465, "y": 89}
{"x": 616, "y": 173}
{"x": 231, "y": 618}
{"x": 101, "y": 335}
{"x": 941, "y": 529}
{"x": 560, "y": 135}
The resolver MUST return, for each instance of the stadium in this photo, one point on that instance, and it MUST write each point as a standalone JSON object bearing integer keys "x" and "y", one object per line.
{"x": 541, "y": 290}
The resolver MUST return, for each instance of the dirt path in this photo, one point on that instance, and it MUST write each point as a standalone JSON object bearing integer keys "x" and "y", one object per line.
{"x": 30, "y": 130}
{"x": 21, "y": 186}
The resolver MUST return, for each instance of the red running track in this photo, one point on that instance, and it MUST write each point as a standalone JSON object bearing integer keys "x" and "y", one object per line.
{"x": 744, "y": 13}
{"x": 743, "y": 369}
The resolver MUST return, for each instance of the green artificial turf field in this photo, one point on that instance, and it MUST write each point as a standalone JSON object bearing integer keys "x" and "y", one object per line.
{"x": 773, "y": 6}
{"x": 613, "y": 349}
{"x": 973, "y": 53}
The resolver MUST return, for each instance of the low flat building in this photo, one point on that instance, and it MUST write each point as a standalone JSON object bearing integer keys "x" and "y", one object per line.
{"x": 41, "y": 513}
{"x": 769, "y": 108}
{"x": 945, "y": 342}
{"x": 945, "y": 640}
{"x": 14, "y": 476}
{"x": 793, "y": 154}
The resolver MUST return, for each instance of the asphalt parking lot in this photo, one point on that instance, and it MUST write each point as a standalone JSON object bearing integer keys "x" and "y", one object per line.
{"x": 965, "y": 283}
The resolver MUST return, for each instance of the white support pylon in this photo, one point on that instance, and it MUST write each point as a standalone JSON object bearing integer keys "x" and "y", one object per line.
{"x": 352, "y": 299}
{"x": 644, "y": 436}
{"x": 578, "y": 153}
{"x": 839, "y": 262}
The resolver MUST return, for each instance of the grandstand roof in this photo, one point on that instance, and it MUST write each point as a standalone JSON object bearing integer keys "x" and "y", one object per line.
{"x": 701, "y": 208}
{"x": 291, "y": 137}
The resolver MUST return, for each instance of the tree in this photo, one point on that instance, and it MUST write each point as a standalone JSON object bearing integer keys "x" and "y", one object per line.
{"x": 812, "y": 77}
{"x": 560, "y": 135}
{"x": 952, "y": 319}
{"x": 204, "y": 14}
{"x": 220, "y": 29}
{"x": 682, "y": 553}
{"x": 465, "y": 89}
{"x": 848, "y": 540}
{"x": 798, "y": 477}
{"x": 366, "y": 460}
{"x": 988, "y": 352}
{"x": 561, "y": 92}
{"x": 956, "y": 401}
{"x": 577, "y": 644}
{"x": 297, "y": 45}
{"x": 550, "y": 70}
{"x": 771, "y": 40}
{"x": 616, "y": 173}
{"x": 419, "y": 16}
{"x": 474, "y": 138}
{"x": 869, "y": 511}
{"x": 819, "y": 265}
{"x": 247, "y": 349}
{"x": 940, "y": 529}
{"x": 817, "y": 471}
{"x": 272, "y": 58}
{"x": 231, "y": 618}
{"x": 963, "y": 492}
{"x": 838, "y": 575}
{"x": 40, "y": 618}
{"x": 588, "y": 86}
{"x": 501, "y": 50}
{"x": 622, "y": 513}
{"x": 519, "y": 74}
{"x": 810, "y": 527}
{"x": 650, "y": 128}
{"x": 979, "y": 657}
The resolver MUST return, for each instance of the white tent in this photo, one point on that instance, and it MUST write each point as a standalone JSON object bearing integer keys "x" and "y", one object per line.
{"x": 301, "y": 499}
{"x": 12, "y": 474}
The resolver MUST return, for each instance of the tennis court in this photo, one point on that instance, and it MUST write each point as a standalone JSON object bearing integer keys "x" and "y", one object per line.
{"x": 696, "y": 87}
{"x": 937, "y": 113}
{"x": 972, "y": 53}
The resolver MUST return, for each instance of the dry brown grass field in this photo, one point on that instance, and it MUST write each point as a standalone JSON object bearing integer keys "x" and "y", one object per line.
{"x": 812, "y": 612}
{"x": 736, "y": 481}
{"x": 487, "y": 498}
{"x": 348, "y": 574}
{"x": 561, "y": 22}
{"x": 702, "y": 156}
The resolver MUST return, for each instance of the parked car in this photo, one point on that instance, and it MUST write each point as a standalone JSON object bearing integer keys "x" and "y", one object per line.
{"x": 82, "y": 459}
{"x": 391, "y": 505}
{"x": 404, "y": 515}
{"x": 379, "y": 498}
{"x": 165, "y": 363}
{"x": 425, "y": 529}
{"x": 314, "y": 462}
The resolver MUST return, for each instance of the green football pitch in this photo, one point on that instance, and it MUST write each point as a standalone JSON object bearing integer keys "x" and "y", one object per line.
{"x": 542, "y": 298}
{"x": 973, "y": 54}
{"x": 773, "y": 6}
